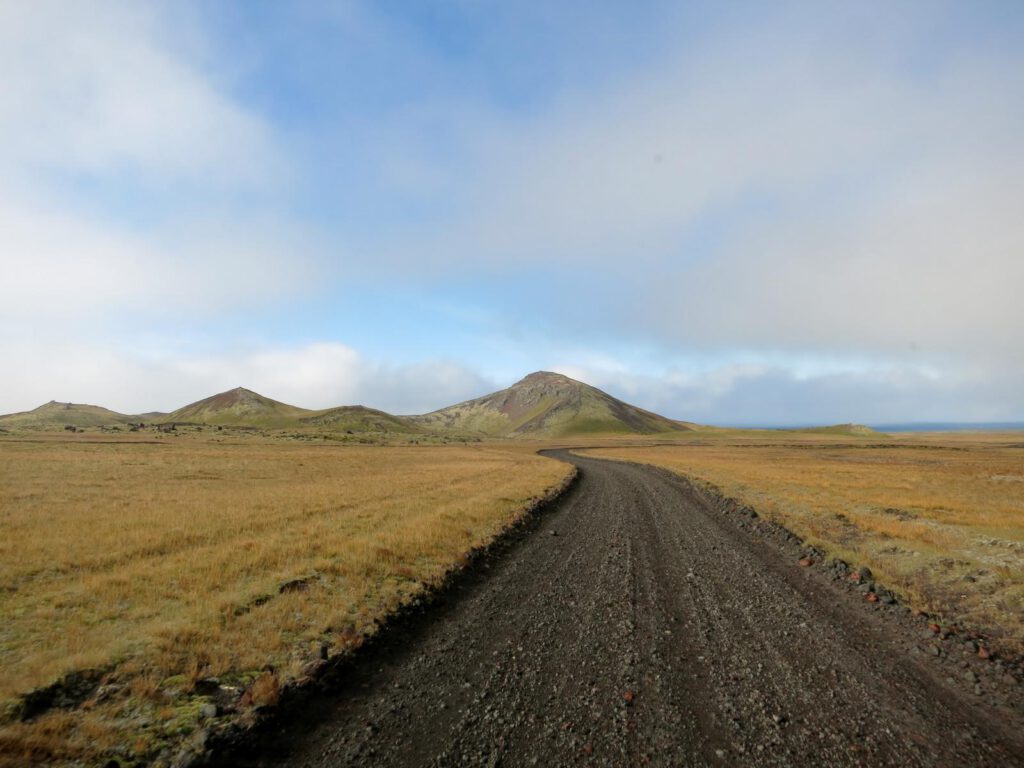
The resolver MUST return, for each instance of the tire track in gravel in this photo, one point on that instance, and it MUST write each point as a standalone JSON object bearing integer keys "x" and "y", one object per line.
{"x": 639, "y": 626}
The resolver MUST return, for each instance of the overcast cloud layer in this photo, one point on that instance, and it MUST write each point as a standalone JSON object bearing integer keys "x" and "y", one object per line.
{"x": 795, "y": 213}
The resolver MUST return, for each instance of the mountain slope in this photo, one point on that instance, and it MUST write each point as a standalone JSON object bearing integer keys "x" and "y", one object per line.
{"x": 54, "y": 415}
{"x": 240, "y": 407}
{"x": 546, "y": 404}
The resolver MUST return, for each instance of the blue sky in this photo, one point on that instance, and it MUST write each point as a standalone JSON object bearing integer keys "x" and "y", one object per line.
{"x": 726, "y": 212}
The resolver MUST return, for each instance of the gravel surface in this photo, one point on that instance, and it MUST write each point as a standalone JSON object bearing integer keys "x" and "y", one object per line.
{"x": 639, "y": 624}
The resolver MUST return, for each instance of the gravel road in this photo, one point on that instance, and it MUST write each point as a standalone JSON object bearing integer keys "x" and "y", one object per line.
{"x": 639, "y": 625}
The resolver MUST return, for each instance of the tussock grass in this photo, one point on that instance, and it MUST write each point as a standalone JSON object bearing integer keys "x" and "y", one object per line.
{"x": 165, "y": 564}
{"x": 942, "y": 520}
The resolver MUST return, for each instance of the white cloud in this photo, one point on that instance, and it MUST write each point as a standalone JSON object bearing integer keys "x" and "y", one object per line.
{"x": 120, "y": 156}
{"x": 64, "y": 266}
{"x": 95, "y": 87}
{"x": 928, "y": 267}
{"x": 807, "y": 185}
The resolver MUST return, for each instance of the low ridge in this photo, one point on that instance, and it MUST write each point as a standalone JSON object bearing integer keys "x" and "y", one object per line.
{"x": 547, "y": 404}
{"x": 850, "y": 430}
{"x": 359, "y": 418}
{"x": 241, "y": 407}
{"x": 54, "y": 415}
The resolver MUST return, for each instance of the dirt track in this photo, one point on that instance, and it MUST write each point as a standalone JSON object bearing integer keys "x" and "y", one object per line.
{"x": 652, "y": 629}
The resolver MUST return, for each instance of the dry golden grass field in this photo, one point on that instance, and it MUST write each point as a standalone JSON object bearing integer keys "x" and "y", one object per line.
{"x": 940, "y": 518}
{"x": 164, "y": 563}
{"x": 156, "y": 564}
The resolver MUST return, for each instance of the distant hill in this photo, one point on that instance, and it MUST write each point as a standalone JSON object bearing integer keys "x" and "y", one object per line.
{"x": 242, "y": 407}
{"x": 54, "y": 415}
{"x": 852, "y": 430}
{"x": 547, "y": 404}
{"x": 239, "y": 407}
{"x": 952, "y": 426}
{"x": 358, "y": 418}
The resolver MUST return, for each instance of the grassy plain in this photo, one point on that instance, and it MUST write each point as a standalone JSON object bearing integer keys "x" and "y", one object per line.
{"x": 163, "y": 562}
{"x": 938, "y": 517}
